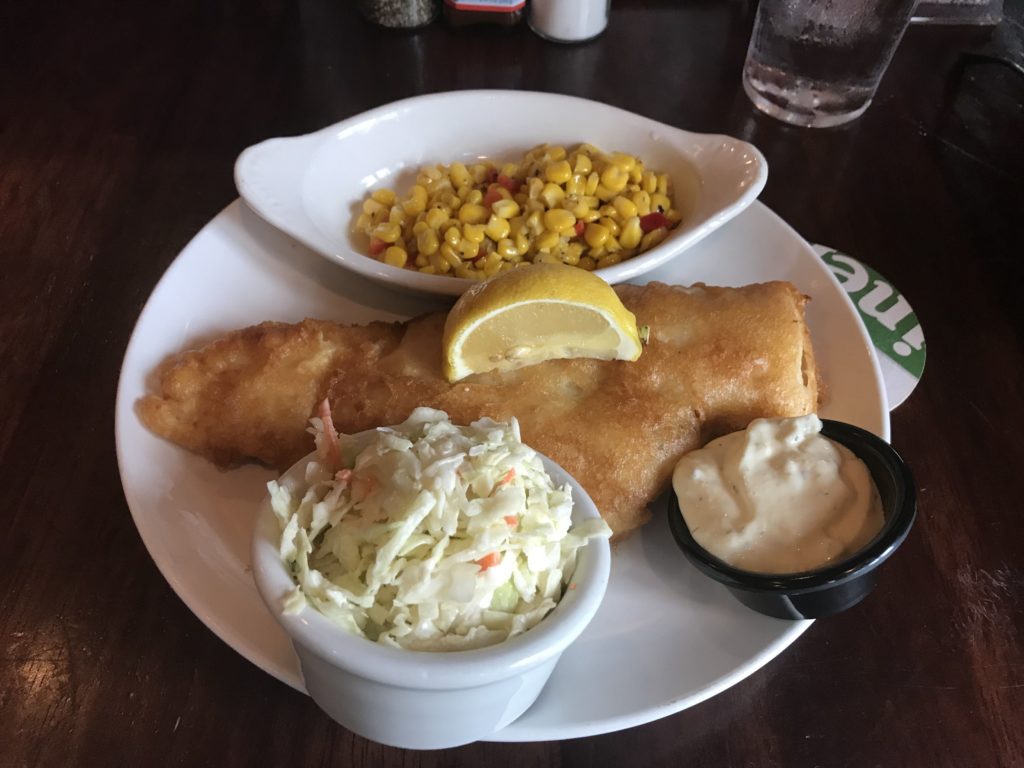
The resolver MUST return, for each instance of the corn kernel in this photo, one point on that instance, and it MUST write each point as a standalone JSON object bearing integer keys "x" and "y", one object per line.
{"x": 559, "y": 219}
{"x": 422, "y": 260}
{"x": 436, "y": 216}
{"x": 451, "y": 258}
{"x": 552, "y": 195}
{"x": 459, "y": 175}
{"x": 595, "y": 235}
{"x": 497, "y": 228}
{"x": 395, "y": 256}
{"x": 475, "y": 196}
{"x": 363, "y": 223}
{"x": 479, "y": 172}
{"x": 608, "y": 261}
{"x": 624, "y": 206}
{"x": 505, "y": 209}
{"x": 534, "y": 225}
{"x": 614, "y": 178}
{"x": 510, "y": 170}
{"x": 579, "y": 209}
{"x": 546, "y": 258}
{"x": 372, "y": 206}
{"x": 636, "y": 174}
{"x": 383, "y": 196}
{"x": 611, "y": 225}
{"x": 582, "y": 165}
{"x": 591, "y": 215}
{"x": 660, "y": 202}
{"x": 576, "y": 185}
{"x": 447, "y": 250}
{"x": 652, "y": 238}
{"x": 522, "y": 244}
{"x": 428, "y": 270}
{"x": 642, "y": 201}
{"x": 555, "y": 153}
{"x": 631, "y": 233}
{"x": 534, "y": 187}
{"x": 546, "y": 240}
{"x": 396, "y": 216}
{"x": 389, "y": 233}
{"x": 663, "y": 183}
{"x": 438, "y": 262}
{"x": 426, "y": 242}
{"x": 623, "y": 161}
{"x": 453, "y": 236}
{"x": 507, "y": 248}
{"x": 649, "y": 183}
{"x": 420, "y": 226}
{"x": 468, "y": 249}
{"x": 604, "y": 194}
{"x": 473, "y": 213}
{"x": 593, "y": 181}
{"x": 587, "y": 263}
{"x": 573, "y": 253}
{"x": 558, "y": 172}
{"x": 474, "y": 232}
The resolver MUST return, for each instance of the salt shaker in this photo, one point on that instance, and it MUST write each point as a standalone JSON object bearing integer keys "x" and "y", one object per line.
{"x": 569, "y": 21}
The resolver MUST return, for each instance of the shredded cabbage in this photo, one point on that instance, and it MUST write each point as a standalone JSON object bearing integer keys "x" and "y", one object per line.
{"x": 433, "y": 537}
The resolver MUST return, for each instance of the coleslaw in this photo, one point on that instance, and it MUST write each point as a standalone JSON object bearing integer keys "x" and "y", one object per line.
{"x": 432, "y": 536}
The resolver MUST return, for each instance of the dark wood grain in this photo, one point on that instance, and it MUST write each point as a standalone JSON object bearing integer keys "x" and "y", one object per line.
{"x": 119, "y": 126}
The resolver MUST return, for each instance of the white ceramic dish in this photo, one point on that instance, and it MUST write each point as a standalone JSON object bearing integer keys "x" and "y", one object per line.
{"x": 665, "y": 638}
{"x": 422, "y": 700}
{"x": 311, "y": 186}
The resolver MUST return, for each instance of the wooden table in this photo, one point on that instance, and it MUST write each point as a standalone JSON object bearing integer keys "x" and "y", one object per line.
{"x": 119, "y": 124}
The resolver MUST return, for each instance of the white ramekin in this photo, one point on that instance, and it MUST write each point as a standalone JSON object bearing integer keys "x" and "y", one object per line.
{"x": 429, "y": 700}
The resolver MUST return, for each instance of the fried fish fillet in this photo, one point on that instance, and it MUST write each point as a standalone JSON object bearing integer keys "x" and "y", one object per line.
{"x": 717, "y": 358}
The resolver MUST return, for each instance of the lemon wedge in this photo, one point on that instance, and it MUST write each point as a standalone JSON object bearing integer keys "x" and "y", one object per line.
{"x": 537, "y": 313}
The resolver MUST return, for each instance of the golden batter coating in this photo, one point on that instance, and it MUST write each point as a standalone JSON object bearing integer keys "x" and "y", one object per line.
{"x": 717, "y": 358}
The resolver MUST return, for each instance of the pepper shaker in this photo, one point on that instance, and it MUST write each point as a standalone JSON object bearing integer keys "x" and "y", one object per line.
{"x": 399, "y": 14}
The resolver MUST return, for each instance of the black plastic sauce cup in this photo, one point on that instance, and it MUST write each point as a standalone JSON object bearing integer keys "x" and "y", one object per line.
{"x": 838, "y": 586}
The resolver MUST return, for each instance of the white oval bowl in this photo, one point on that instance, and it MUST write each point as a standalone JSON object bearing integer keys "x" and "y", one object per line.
{"x": 428, "y": 700}
{"x": 311, "y": 187}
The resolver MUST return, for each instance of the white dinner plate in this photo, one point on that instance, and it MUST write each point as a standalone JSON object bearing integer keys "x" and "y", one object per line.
{"x": 312, "y": 186}
{"x": 665, "y": 637}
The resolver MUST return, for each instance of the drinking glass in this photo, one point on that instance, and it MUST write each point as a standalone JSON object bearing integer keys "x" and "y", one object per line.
{"x": 817, "y": 63}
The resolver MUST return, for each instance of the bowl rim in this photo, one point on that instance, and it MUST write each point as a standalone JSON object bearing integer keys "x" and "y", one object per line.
{"x": 866, "y": 559}
{"x": 300, "y": 227}
{"x": 435, "y": 669}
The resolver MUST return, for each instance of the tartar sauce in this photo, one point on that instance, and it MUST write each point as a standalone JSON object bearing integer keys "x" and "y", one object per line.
{"x": 778, "y": 497}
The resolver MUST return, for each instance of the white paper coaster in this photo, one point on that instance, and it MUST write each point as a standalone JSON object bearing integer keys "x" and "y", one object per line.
{"x": 890, "y": 320}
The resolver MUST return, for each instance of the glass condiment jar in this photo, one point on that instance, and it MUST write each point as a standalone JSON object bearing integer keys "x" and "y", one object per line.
{"x": 505, "y": 13}
{"x": 399, "y": 14}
